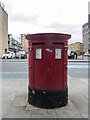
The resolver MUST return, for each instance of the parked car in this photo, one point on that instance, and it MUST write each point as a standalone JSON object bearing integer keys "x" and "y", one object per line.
{"x": 26, "y": 54}
{"x": 8, "y": 55}
{"x": 21, "y": 54}
{"x": 72, "y": 54}
{"x": 17, "y": 55}
{"x": 87, "y": 54}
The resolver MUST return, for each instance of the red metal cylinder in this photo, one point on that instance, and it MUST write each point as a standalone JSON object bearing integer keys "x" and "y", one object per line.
{"x": 48, "y": 69}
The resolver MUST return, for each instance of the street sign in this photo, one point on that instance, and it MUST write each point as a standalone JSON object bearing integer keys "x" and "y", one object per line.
{"x": 83, "y": 45}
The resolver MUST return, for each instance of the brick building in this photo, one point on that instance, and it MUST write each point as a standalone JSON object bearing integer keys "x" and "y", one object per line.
{"x": 86, "y": 33}
{"x": 76, "y": 46}
{"x": 13, "y": 45}
{"x": 24, "y": 42}
{"x": 85, "y": 36}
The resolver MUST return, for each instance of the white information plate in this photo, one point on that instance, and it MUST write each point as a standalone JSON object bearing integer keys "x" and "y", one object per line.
{"x": 38, "y": 53}
{"x": 58, "y": 53}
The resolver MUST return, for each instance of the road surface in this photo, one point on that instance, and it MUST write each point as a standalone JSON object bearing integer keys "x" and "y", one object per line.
{"x": 15, "y": 89}
{"x": 19, "y": 70}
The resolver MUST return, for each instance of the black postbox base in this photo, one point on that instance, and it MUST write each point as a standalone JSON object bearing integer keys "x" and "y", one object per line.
{"x": 48, "y": 98}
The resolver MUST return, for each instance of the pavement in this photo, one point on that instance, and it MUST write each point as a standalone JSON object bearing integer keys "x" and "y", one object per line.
{"x": 15, "y": 105}
{"x": 14, "y": 94}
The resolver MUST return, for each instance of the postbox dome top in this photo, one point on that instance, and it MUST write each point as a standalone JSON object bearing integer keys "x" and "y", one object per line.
{"x": 52, "y": 36}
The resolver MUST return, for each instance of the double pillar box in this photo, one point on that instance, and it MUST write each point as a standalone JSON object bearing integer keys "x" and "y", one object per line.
{"x": 48, "y": 69}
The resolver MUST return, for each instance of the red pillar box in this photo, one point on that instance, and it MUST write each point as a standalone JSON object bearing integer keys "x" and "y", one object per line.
{"x": 48, "y": 69}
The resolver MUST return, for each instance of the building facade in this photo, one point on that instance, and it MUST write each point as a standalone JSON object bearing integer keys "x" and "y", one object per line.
{"x": 86, "y": 33}
{"x": 89, "y": 27}
{"x": 77, "y": 47}
{"x": 3, "y": 30}
{"x": 85, "y": 37}
{"x": 24, "y": 42}
{"x": 14, "y": 45}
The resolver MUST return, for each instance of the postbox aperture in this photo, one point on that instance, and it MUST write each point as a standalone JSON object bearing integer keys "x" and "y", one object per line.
{"x": 58, "y": 53}
{"x": 38, "y": 53}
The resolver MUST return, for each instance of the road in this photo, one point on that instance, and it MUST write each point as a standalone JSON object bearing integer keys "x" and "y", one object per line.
{"x": 19, "y": 70}
{"x": 15, "y": 88}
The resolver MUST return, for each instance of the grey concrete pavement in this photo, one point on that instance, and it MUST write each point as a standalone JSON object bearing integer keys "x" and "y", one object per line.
{"x": 14, "y": 101}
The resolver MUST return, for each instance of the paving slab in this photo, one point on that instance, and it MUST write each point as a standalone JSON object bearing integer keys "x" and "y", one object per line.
{"x": 0, "y": 109}
{"x": 85, "y": 115}
{"x": 8, "y": 96}
{"x": 68, "y": 114}
{"x": 68, "y": 111}
{"x": 20, "y": 100}
{"x": 6, "y": 108}
{"x": 15, "y": 101}
{"x": 20, "y": 112}
{"x": 69, "y": 106}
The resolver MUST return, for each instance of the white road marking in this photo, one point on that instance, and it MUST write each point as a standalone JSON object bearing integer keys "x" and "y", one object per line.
{"x": 78, "y": 66}
{"x": 12, "y": 62}
{"x": 12, "y": 72}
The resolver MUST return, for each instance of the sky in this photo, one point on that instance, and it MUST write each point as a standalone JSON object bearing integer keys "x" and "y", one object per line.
{"x": 43, "y": 16}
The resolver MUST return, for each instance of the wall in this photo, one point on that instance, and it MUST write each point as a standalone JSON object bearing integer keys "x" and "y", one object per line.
{"x": 3, "y": 31}
{"x": 85, "y": 36}
{"x": 76, "y": 46}
{"x": 0, "y": 31}
{"x": 24, "y": 42}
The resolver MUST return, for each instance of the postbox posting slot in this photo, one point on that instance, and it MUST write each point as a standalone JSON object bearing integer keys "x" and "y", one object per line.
{"x": 58, "y": 43}
{"x": 38, "y": 54}
{"x": 38, "y": 43}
